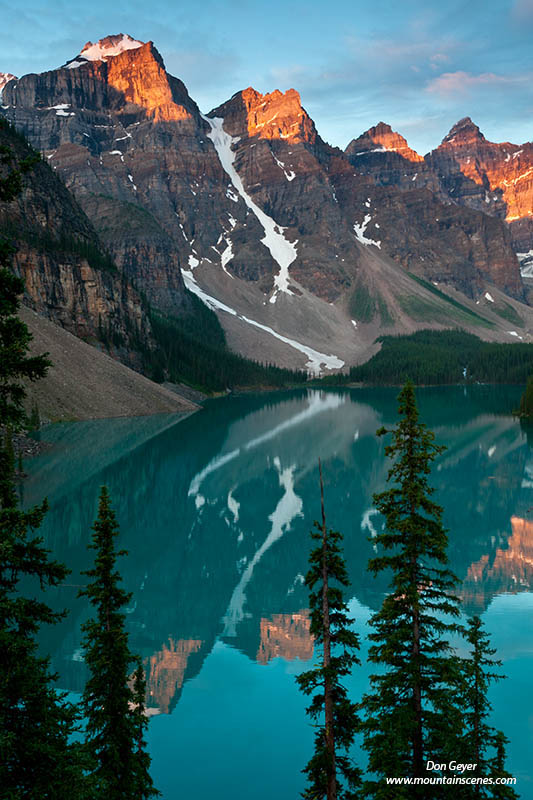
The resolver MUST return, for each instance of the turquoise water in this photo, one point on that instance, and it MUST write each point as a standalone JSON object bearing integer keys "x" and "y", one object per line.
{"x": 215, "y": 512}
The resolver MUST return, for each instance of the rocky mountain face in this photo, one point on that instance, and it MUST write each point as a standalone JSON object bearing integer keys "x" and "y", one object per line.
{"x": 413, "y": 212}
{"x": 466, "y": 170}
{"x": 104, "y": 127}
{"x": 278, "y": 157}
{"x": 496, "y": 178}
{"x": 384, "y": 155}
{"x": 251, "y": 210}
{"x": 68, "y": 275}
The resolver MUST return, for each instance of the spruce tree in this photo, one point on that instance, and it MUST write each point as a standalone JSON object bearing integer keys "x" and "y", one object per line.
{"x": 37, "y": 758}
{"x": 16, "y": 366}
{"x": 481, "y": 744}
{"x": 143, "y": 785}
{"x": 498, "y": 770}
{"x": 114, "y": 732}
{"x": 411, "y": 709}
{"x": 330, "y": 772}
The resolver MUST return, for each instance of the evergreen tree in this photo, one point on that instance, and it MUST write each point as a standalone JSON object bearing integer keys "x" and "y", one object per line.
{"x": 37, "y": 758}
{"x": 114, "y": 733}
{"x": 411, "y": 709}
{"x": 143, "y": 786}
{"x": 16, "y": 365}
{"x": 498, "y": 770}
{"x": 330, "y": 772}
{"x": 526, "y": 401}
{"x": 480, "y": 739}
{"x": 36, "y": 723}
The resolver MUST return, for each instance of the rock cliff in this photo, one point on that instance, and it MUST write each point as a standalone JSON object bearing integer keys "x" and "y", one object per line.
{"x": 496, "y": 178}
{"x": 412, "y": 210}
{"x": 68, "y": 275}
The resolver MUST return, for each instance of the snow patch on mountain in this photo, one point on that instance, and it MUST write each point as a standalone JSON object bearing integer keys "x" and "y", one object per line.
{"x": 360, "y": 229}
{"x": 109, "y": 47}
{"x": 282, "y": 251}
{"x": 290, "y": 175}
{"x": 526, "y": 264}
{"x": 318, "y": 362}
{"x": 374, "y": 150}
{"x": 226, "y": 256}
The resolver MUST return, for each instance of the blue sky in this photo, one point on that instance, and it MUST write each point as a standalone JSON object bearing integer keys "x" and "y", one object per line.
{"x": 418, "y": 65}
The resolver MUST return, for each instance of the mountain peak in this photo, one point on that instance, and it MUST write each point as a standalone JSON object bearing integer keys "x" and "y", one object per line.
{"x": 381, "y": 129}
{"x": 463, "y": 132}
{"x": 137, "y": 72}
{"x": 382, "y": 138}
{"x": 275, "y": 115}
{"x": 109, "y": 46}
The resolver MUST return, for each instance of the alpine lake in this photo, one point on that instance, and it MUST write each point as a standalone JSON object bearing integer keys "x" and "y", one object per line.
{"x": 215, "y": 511}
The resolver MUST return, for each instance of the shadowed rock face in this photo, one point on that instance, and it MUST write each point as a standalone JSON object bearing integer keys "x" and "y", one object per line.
{"x": 419, "y": 199}
{"x": 281, "y": 161}
{"x": 416, "y": 221}
{"x": 131, "y": 144}
{"x": 68, "y": 278}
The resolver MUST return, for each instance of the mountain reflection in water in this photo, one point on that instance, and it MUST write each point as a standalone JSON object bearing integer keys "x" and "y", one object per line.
{"x": 216, "y": 510}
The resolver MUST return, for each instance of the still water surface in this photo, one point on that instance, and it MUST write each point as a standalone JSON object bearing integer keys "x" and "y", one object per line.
{"x": 215, "y": 512}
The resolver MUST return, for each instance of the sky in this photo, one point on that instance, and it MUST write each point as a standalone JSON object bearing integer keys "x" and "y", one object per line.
{"x": 418, "y": 65}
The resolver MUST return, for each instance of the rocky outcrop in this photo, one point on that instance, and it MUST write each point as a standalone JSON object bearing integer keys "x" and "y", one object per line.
{"x": 382, "y": 157}
{"x": 279, "y": 158}
{"x": 382, "y": 138}
{"x": 273, "y": 116}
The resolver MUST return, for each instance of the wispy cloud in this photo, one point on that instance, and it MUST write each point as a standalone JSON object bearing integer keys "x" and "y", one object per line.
{"x": 461, "y": 82}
